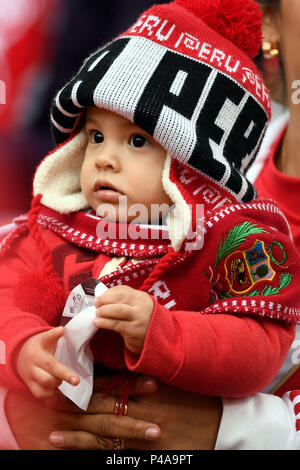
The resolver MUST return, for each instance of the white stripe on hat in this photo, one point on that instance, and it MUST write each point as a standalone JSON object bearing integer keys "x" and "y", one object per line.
{"x": 96, "y": 62}
{"x": 226, "y": 124}
{"x": 178, "y": 82}
{"x": 62, "y": 110}
{"x": 74, "y": 94}
{"x": 60, "y": 128}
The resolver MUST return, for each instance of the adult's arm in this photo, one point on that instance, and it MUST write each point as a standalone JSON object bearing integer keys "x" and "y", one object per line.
{"x": 260, "y": 422}
{"x": 265, "y": 421}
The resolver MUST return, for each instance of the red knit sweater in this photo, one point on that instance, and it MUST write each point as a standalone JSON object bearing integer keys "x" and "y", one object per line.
{"x": 223, "y": 317}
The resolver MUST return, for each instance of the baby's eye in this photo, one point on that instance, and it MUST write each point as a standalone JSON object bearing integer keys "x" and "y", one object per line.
{"x": 97, "y": 137}
{"x": 138, "y": 141}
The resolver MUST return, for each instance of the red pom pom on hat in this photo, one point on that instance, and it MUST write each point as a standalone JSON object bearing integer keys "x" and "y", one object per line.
{"x": 239, "y": 21}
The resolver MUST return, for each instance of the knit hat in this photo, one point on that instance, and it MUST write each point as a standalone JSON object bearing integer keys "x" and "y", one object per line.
{"x": 183, "y": 72}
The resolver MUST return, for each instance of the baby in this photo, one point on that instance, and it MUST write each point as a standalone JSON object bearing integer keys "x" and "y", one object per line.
{"x": 164, "y": 116}
{"x": 117, "y": 160}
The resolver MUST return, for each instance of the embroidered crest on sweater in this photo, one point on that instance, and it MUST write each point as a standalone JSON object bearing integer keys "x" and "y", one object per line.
{"x": 244, "y": 269}
{"x": 248, "y": 271}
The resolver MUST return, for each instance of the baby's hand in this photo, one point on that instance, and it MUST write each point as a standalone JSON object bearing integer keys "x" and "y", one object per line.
{"x": 38, "y": 367}
{"x": 126, "y": 311}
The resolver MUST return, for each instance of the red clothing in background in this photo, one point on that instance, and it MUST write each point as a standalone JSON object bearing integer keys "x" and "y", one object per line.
{"x": 29, "y": 31}
{"x": 283, "y": 189}
{"x": 26, "y": 48}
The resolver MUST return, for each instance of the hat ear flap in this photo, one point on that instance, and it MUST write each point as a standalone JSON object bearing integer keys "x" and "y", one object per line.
{"x": 180, "y": 217}
{"x": 58, "y": 176}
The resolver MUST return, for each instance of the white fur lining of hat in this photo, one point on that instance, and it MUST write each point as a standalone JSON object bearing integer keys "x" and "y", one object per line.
{"x": 58, "y": 177}
{"x": 179, "y": 218}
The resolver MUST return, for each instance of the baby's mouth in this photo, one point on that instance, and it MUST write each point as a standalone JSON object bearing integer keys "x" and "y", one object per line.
{"x": 107, "y": 188}
{"x": 107, "y": 192}
{"x": 103, "y": 185}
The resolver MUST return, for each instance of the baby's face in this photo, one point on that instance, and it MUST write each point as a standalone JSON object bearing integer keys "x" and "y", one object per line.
{"x": 121, "y": 161}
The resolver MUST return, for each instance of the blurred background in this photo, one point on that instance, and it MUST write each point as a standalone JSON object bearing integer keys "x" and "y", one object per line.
{"x": 42, "y": 44}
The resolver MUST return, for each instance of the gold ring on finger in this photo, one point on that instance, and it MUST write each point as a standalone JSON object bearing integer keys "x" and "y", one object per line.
{"x": 118, "y": 444}
{"x": 120, "y": 408}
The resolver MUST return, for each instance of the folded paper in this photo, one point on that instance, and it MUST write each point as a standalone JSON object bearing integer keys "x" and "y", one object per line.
{"x": 73, "y": 348}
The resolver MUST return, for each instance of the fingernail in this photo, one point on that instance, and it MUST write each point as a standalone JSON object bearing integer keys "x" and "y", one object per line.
{"x": 56, "y": 439}
{"x": 74, "y": 380}
{"x": 149, "y": 384}
{"x": 152, "y": 433}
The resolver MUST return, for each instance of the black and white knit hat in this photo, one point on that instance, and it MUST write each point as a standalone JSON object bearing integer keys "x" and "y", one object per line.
{"x": 183, "y": 72}
{"x": 185, "y": 83}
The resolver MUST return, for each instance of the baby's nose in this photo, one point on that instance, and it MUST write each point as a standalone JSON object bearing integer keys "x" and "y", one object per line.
{"x": 108, "y": 159}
